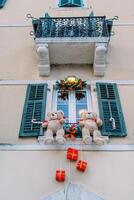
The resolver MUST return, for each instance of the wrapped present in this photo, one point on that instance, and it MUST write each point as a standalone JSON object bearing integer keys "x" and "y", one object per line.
{"x": 72, "y": 154}
{"x": 71, "y": 132}
{"x": 81, "y": 165}
{"x": 60, "y": 175}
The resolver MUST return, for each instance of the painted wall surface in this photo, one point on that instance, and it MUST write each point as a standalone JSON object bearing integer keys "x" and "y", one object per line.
{"x": 30, "y": 175}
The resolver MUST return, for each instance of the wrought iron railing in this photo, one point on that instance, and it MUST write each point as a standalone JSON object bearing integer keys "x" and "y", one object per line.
{"x": 79, "y": 27}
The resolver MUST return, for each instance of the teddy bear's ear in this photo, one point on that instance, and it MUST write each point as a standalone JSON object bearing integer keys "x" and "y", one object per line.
{"x": 94, "y": 115}
{"x": 81, "y": 112}
{"x": 49, "y": 114}
{"x": 60, "y": 113}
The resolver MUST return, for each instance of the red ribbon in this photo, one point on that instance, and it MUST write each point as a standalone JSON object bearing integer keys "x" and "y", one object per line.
{"x": 71, "y": 133}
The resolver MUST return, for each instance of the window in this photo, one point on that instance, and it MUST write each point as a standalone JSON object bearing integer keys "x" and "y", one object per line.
{"x": 70, "y": 3}
{"x": 39, "y": 101}
{"x": 71, "y": 103}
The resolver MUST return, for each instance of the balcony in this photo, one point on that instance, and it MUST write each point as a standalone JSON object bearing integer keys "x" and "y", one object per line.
{"x": 71, "y": 27}
{"x": 72, "y": 40}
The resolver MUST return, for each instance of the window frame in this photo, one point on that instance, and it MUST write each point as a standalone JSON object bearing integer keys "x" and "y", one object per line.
{"x": 72, "y": 103}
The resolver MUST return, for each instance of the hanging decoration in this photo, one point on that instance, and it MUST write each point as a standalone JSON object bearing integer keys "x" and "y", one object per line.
{"x": 81, "y": 165}
{"x": 80, "y": 95}
{"x": 71, "y": 132}
{"x": 72, "y": 154}
{"x": 60, "y": 175}
{"x": 71, "y": 83}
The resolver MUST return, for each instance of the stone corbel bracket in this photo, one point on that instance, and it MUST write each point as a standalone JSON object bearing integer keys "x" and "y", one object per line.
{"x": 43, "y": 59}
{"x": 99, "y": 65}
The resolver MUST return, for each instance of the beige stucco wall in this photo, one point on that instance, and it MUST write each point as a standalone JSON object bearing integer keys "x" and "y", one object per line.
{"x": 19, "y": 60}
{"x": 11, "y": 107}
{"x": 18, "y": 55}
{"x": 30, "y": 175}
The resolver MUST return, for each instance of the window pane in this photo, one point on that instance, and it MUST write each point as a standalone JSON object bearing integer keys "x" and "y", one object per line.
{"x": 62, "y": 102}
{"x": 81, "y": 102}
{"x": 78, "y": 108}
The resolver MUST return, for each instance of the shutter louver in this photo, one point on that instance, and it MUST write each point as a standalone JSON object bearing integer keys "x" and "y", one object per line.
{"x": 70, "y": 3}
{"x": 110, "y": 110}
{"x": 77, "y": 3}
{"x": 34, "y": 108}
{"x": 64, "y": 3}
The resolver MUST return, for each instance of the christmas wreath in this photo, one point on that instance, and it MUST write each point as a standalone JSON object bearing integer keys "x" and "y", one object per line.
{"x": 71, "y": 83}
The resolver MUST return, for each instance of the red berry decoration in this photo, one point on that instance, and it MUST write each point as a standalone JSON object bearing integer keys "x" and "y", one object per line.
{"x": 81, "y": 165}
{"x": 60, "y": 175}
{"x": 72, "y": 154}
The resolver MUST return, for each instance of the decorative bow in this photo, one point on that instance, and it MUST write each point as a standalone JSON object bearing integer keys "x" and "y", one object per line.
{"x": 71, "y": 133}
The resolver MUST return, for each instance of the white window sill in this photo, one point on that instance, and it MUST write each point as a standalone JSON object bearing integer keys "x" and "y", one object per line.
{"x": 39, "y": 147}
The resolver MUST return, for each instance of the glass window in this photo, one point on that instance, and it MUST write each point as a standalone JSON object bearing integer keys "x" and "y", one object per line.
{"x": 71, "y": 103}
{"x": 81, "y": 102}
{"x": 63, "y": 102}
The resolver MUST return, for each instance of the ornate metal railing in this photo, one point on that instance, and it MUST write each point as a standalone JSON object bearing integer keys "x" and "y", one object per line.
{"x": 70, "y": 27}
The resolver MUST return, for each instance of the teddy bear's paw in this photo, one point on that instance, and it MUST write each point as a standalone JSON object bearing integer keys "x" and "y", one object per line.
{"x": 87, "y": 139}
{"x": 106, "y": 139}
{"x": 99, "y": 141}
{"x": 60, "y": 140}
{"x": 49, "y": 140}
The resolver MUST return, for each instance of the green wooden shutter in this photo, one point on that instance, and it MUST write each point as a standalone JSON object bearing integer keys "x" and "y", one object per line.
{"x": 64, "y": 3}
{"x": 70, "y": 3}
{"x": 77, "y": 3}
{"x": 34, "y": 108}
{"x": 110, "y": 106}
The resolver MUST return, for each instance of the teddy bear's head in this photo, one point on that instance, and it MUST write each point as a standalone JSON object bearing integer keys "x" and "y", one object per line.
{"x": 55, "y": 115}
{"x": 84, "y": 114}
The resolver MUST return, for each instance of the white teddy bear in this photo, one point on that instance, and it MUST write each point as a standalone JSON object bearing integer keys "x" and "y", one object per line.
{"x": 90, "y": 124}
{"x": 54, "y": 125}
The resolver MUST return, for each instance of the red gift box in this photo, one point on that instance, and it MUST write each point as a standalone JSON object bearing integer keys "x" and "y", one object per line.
{"x": 60, "y": 175}
{"x": 72, "y": 154}
{"x": 81, "y": 165}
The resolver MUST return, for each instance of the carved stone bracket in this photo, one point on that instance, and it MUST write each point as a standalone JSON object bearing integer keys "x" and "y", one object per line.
{"x": 43, "y": 59}
{"x": 100, "y": 59}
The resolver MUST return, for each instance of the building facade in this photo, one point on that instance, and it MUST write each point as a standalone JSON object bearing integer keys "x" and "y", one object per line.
{"x": 43, "y": 42}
